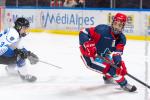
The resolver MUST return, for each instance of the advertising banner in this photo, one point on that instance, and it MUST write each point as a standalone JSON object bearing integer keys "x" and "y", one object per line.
{"x": 74, "y": 20}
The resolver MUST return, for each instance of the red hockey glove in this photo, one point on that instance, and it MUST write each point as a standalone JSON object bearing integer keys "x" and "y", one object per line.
{"x": 88, "y": 49}
{"x": 122, "y": 70}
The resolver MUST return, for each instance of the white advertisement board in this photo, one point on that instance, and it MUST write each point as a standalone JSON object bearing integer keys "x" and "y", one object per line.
{"x": 74, "y": 20}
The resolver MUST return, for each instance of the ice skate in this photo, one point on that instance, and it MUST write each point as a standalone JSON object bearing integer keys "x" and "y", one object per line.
{"x": 108, "y": 81}
{"x": 24, "y": 75}
{"x": 129, "y": 88}
{"x": 28, "y": 78}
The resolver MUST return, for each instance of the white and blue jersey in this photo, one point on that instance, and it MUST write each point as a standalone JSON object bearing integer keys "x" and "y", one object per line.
{"x": 9, "y": 39}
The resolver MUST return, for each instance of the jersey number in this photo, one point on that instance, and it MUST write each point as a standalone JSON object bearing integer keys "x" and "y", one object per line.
{"x": 2, "y": 43}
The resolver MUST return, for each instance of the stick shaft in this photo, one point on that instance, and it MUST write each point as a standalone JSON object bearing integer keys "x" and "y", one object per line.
{"x": 50, "y": 64}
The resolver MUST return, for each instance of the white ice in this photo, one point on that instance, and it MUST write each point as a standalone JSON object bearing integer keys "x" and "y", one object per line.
{"x": 74, "y": 81}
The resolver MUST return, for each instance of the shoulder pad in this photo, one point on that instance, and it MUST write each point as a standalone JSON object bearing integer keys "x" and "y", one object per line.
{"x": 102, "y": 28}
{"x": 12, "y": 35}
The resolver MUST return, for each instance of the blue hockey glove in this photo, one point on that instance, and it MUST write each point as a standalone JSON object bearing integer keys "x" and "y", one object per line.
{"x": 117, "y": 58}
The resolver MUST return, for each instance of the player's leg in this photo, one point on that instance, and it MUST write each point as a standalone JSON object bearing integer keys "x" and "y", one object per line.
{"x": 108, "y": 79}
{"x": 119, "y": 73}
{"x": 7, "y": 60}
{"x": 10, "y": 63}
{"x": 22, "y": 65}
{"x": 98, "y": 65}
{"x": 15, "y": 64}
{"x": 92, "y": 64}
{"x": 11, "y": 69}
{"x": 109, "y": 72}
{"x": 121, "y": 80}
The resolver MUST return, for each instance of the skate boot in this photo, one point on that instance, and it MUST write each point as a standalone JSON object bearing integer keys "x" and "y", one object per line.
{"x": 108, "y": 81}
{"x": 24, "y": 75}
{"x": 129, "y": 88}
{"x": 28, "y": 78}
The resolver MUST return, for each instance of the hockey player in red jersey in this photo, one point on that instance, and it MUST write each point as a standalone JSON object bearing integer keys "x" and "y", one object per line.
{"x": 108, "y": 42}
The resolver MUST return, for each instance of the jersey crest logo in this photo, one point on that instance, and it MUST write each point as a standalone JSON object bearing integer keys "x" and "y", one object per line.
{"x": 106, "y": 52}
{"x": 11, "y": 38}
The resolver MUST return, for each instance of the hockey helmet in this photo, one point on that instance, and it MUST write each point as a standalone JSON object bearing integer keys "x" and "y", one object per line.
{"x": 120, "y": 17}
{"x": 20, "y": 22}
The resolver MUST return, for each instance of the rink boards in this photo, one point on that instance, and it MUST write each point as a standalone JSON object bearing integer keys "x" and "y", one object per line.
{"x": 70, "y": 21}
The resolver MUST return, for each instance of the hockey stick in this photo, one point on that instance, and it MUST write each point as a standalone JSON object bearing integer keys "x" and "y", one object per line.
{"x": 50, "y": 64}
{"x": 36, "y": 59}
{"x": 131, "y": 76}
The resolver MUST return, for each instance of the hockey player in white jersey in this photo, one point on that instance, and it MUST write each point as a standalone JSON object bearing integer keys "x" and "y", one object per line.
{"x": 12, "y": 54}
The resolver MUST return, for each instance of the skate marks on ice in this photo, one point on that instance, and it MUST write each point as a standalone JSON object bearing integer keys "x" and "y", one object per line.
{"x": 92, "y": 92}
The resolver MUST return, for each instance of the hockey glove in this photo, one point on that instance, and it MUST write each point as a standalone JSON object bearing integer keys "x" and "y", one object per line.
{"x": 88, "y": 49}
{"x": 117, "y": 58}
{"x": 33, "y": 58}
{"x": 23, "y": 53}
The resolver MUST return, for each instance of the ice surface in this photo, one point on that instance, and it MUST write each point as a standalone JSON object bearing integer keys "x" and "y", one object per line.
{"x": 74, "y": 81}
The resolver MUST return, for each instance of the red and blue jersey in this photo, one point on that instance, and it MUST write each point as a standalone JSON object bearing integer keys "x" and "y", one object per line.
{"x": 104, "y": 39}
